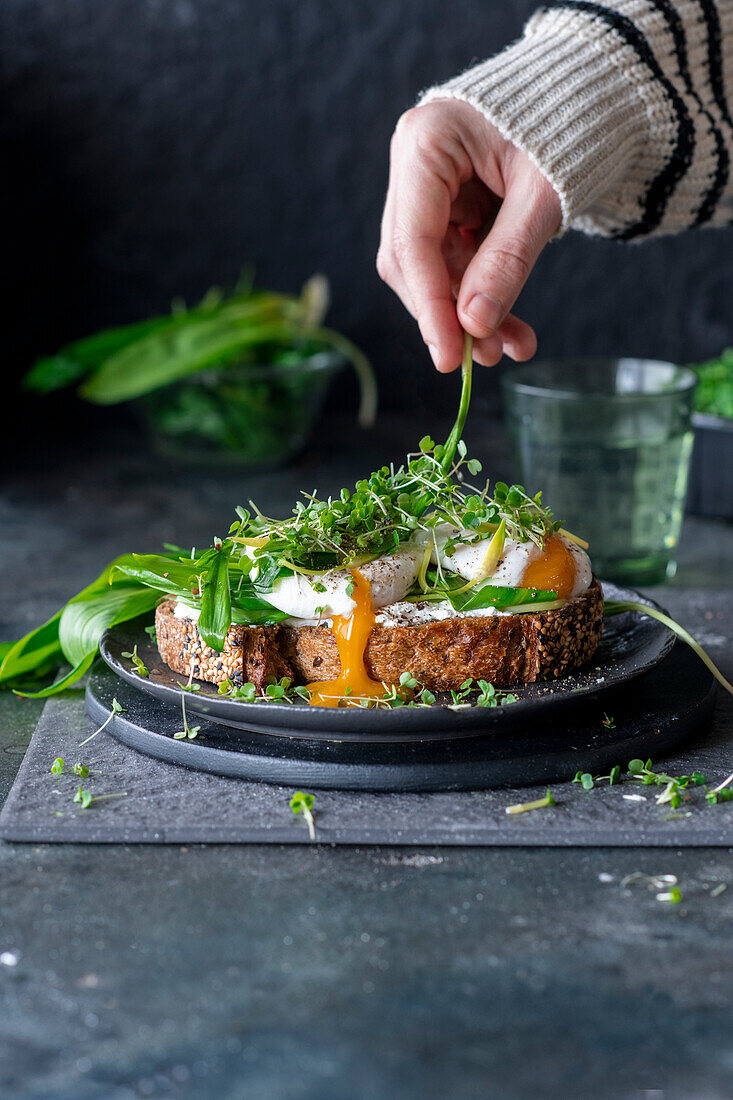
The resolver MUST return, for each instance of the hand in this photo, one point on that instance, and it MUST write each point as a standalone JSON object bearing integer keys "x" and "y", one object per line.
{"x": 467, "y": 214}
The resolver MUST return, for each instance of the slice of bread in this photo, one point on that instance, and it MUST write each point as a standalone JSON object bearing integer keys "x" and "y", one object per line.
{"x": 506, "y": 650}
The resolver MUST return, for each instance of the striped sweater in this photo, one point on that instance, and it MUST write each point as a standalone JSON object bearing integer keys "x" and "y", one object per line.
{"x": 623, "y": 106}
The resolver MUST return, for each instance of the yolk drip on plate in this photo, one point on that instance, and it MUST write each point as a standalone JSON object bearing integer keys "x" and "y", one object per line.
{"x": 554, "y": 570}
{"x": 352, "y": 634}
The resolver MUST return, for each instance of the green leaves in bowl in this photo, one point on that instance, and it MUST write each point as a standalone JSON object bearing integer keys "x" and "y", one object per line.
{"x": 714, "y": 393}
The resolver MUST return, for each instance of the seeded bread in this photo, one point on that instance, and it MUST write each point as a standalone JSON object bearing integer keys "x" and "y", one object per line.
{"x": 251, "y": 654}
{"x": 504, "y": 649}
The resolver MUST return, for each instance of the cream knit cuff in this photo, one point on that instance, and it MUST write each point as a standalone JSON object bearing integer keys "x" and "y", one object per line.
{"x": 576, "y": 98}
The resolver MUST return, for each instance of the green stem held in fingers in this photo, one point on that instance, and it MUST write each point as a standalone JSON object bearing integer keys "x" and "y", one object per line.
{"x": 616, "y": 607}
{"x": 457, "y": 431}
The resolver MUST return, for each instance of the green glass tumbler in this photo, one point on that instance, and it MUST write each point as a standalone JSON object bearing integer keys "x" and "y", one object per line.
{"x": 608, "y": 441}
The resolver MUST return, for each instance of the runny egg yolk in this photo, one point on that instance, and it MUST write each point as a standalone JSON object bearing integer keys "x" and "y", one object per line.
{"x": 553, "y": 570}
{"x": 352, "y": 634}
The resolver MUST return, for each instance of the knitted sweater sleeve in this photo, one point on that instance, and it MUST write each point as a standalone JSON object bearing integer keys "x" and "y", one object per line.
{"x": 623, "y": 107}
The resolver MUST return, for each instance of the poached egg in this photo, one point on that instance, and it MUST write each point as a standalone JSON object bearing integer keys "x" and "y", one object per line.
{"x": 314, "y": 598}
{"x": 561, "y": 566}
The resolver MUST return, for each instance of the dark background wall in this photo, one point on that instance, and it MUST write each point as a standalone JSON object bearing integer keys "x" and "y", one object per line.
{"x": 152, "y": 148}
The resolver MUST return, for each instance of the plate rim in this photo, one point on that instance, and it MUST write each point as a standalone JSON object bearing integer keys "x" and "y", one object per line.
{"x": 451, "y": 770}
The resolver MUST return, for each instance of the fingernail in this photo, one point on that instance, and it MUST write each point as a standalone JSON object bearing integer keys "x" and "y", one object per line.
{"x": 485, "y": 311}
{"x": 434, "y": 353}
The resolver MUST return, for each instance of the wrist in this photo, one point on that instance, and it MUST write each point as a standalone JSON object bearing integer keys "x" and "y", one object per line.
{"x": 563, "y": 95}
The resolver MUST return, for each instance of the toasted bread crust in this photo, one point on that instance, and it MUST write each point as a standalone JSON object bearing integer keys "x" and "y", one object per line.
{"x": 251, "y": 654}
{"x": 503, "y": 649}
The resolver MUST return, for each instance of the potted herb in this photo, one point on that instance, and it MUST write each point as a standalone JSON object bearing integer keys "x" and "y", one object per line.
{"x": 236, "y": 380}
{"x": 710, "y": 490}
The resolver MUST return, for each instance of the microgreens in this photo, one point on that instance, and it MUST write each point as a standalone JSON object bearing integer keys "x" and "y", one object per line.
{"x": 674, "y": 895}
{"x": 608, "y": 722}
{"x": 138, "y": 662}
{"x": 673, "y": 785}
{"x": 674, "y": 789}
{"x": 152, "y": 634}
{"x": 303, "y": 803}
{"x": 537, "y": 804}
{"x": 722, "y": 793}
{"x": 278, "y": 690}
{"x": 86, "y": 797}
{"x": 58, "y": 765}
{"x": 409, "y": 692}
{"x": 188, "y": 686}
{"x": 589, "y": 781}
{"x": 117, "y": 708}
{"x": 189, "y": 732}
{"x": 81, "y": 770}
{"x": 665, "y": 885}
{"x": 487, "y": 696}
{"x": 380, "y": 513}
{"x": 247, "y": 692}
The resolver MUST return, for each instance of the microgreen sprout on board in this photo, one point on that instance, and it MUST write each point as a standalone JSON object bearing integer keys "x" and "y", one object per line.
{"x": 722, "y": 793}
{"x": 589, "y": 781}
{"x": 673, "y": 786}
{"x": 675, "y": 790}
{"x": 86, "y": 798}
{"x": 301, "y": 802}
{"x": 537, "y": 804}
{"x": 665, "y": 886}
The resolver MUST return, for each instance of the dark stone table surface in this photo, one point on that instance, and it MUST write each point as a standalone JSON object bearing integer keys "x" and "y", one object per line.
{"x": 302, "y": 972}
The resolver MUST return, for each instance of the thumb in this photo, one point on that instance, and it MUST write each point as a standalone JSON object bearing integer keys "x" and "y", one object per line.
{"x": 528, "y": 217}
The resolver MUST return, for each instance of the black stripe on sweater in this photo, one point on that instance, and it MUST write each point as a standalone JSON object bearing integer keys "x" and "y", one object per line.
{"x": 715, "y": 58}
{"x": 677, "y": 30}
{"x": 663, "y": 185}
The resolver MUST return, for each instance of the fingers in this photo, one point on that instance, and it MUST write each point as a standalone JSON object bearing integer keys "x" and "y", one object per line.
{"x": 518, "y": 339}
{"x": 526, "y": 220}
{"x": 514, "y": 338}
{"x": 428, "y": 286}
{"x": 424, "y": 180}
{"x": 450, "y": 177}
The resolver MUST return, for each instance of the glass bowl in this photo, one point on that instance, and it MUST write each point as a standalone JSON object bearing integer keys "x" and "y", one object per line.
{"x": 247, "y": 415}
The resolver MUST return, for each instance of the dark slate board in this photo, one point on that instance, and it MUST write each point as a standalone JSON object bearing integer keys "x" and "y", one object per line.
{"x": 170, "y": 804}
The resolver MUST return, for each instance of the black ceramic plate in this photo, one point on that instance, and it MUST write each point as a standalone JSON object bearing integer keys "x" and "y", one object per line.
{"x": 674, "y": 702}
{"x": 631, "y": 645}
